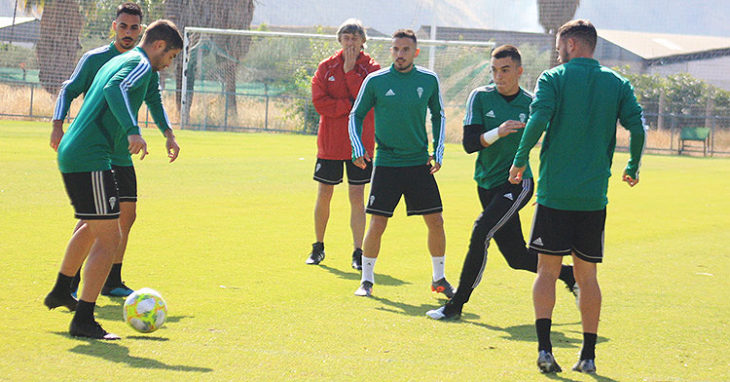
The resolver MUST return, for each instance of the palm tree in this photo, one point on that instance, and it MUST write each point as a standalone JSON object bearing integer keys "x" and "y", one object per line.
{"x": 553, "y": 14}
{"x": 225, "y": 14}
{"x": 59, "y": 45}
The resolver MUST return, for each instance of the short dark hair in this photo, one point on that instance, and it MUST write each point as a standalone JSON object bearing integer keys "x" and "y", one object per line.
{"x": 508, "y": 51}
{"x": 580, "y": 29}
{"x": 163, "y": 30}
{"x": 406, "y": 33}
{"x": 130, "y": 9}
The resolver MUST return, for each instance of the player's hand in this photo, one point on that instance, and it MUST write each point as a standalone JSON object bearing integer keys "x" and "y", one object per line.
{"x": 435, "y": 166}
{"x": 172, "y": 148}
{"x": 56, "y": 134}
{"x": 136, "y": 145}
{"x": 509, "y": 127}
{"x": 628, "y": 179}
{"x": 360, "y": 161}
{"x": 515, "y": 174}
{"x": 350, "y": 55}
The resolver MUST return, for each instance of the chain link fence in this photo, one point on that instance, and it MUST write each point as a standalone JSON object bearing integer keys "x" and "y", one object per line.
{"x": 681, "y": 81}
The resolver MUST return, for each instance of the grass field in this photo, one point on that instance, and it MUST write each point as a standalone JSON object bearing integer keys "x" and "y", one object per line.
{"x": 223, "y": 234}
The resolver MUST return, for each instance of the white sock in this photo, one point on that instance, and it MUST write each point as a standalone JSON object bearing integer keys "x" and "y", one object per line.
{"x": 438, "y": 267}
{"x": 368, "y": 265}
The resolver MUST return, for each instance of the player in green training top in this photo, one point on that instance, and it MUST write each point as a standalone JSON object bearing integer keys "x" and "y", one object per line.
{"x": 577, "y": 105}
{"x": 127, "y": 27}
{"x": 495, "y": 117}
{"x": 400, "y": 95}
{"x": 108, "y": 119}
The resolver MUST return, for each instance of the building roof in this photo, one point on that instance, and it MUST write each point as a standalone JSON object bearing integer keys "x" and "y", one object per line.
{"x": 314, "y": 29}
{"x": 653, "y": 46}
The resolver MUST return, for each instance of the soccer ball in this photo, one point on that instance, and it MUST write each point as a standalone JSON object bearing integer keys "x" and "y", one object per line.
{"x": 145, "y": 310}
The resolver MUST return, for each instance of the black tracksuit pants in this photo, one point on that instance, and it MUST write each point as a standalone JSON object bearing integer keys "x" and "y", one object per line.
{"x": 500, "y": 221}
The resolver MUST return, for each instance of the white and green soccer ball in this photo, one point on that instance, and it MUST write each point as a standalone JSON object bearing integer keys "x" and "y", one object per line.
{"x": 145, "y": 310}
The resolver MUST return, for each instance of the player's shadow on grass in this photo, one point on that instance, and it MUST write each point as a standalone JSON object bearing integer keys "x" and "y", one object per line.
{"x": 354, "y": 275}
{"x": 113, "y": 312}
{"x": 524, "y": 332}
{"x": 564, "y": 377}
{"x": 113, "y": 351}
{"x": 411, "y": 310}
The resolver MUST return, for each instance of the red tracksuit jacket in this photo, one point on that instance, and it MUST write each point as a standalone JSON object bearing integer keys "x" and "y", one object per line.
{"x": 333, "y": 93}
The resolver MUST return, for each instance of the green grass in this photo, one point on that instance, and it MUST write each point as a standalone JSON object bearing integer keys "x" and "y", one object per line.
{"x": 223, "y": 234}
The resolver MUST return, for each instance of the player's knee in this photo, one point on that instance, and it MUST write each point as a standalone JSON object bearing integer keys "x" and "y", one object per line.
{"x": 378, "y": 224}
{"x": 585, "y": 278}
{"x": 325, "y": 191}
{"x": 548, "y": 271}
{"x": 127, "y": 218}
{"x": 434, "y": 221}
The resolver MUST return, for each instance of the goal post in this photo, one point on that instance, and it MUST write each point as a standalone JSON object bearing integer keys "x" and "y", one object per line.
{"x": 272, "y": 71}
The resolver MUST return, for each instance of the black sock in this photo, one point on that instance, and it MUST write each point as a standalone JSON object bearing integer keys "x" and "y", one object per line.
{"x": 63, "y": 285}
{"x": 115, "y": 275}
{"x": 566, "y": 274}
{"x": 76, "y": 280}
{"x": 589, "y": 346}
{"x": 542, "y": 325}
{"x": 84, "y": 312}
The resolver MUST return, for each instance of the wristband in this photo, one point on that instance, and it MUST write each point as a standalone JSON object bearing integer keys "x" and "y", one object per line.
{"x": 491, "y": 136}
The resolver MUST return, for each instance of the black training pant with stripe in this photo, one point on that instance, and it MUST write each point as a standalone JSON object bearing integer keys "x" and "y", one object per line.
{"x": 500, "y": 220}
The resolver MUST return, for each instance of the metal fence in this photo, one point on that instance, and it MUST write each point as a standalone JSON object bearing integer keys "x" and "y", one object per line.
{"x": 266, "y": 112}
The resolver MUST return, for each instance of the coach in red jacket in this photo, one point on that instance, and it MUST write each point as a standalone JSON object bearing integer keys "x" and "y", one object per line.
{"x": 334, "y": 89}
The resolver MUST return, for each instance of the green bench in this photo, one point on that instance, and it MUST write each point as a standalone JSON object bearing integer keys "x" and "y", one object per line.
{"x": 694, "y": 134}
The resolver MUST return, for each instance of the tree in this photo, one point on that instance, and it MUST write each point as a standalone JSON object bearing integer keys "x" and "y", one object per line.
{"x": 58, "y": 47}
{"x": 225, "y": 14}
{"x": 552, "y": 15}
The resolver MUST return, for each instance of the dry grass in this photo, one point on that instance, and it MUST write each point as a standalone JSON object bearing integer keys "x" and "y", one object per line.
{"x": 208, "y": 113}
{"x": 15, "y": 101}
{"x": 667, "y": 141}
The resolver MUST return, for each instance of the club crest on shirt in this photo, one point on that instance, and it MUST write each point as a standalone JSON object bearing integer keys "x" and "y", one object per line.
{"x": 419, "y": 90}
{"x": 331, "y": 79}
{"x": 523, "y": 117}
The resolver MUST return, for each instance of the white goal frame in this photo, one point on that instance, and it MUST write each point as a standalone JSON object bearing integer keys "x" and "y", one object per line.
{"x": 244, "y": 32}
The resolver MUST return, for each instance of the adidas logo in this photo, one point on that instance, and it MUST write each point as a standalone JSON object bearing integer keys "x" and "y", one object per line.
{"x": 331, "y": 79}
{"x": 389, "y": 93}
{"x": 538, "y": 241}
{"x": 509, "y": 196}
{"x": 490, "y": 114}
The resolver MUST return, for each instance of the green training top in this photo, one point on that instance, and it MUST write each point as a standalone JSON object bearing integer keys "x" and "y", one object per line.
{"x": 577, "y": 105}
{"x": 82, "y": 77}
{"x": 109, "y": 113}
{"x": 486, "y": 107}
{"x": 400, "y": 101}
{"x": 80, "y": 82}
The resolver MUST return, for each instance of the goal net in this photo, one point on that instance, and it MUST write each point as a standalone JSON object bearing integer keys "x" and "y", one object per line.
{"x": 261, "y": 80}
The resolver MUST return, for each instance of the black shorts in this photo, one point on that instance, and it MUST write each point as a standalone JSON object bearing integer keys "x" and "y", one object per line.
{"x": 560, "y": 233}
{"x": 126, "y": 183}
{"x": 329, "y": 171}
{"x": 94, "y": 195}
{"x": 415, "y": 183}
